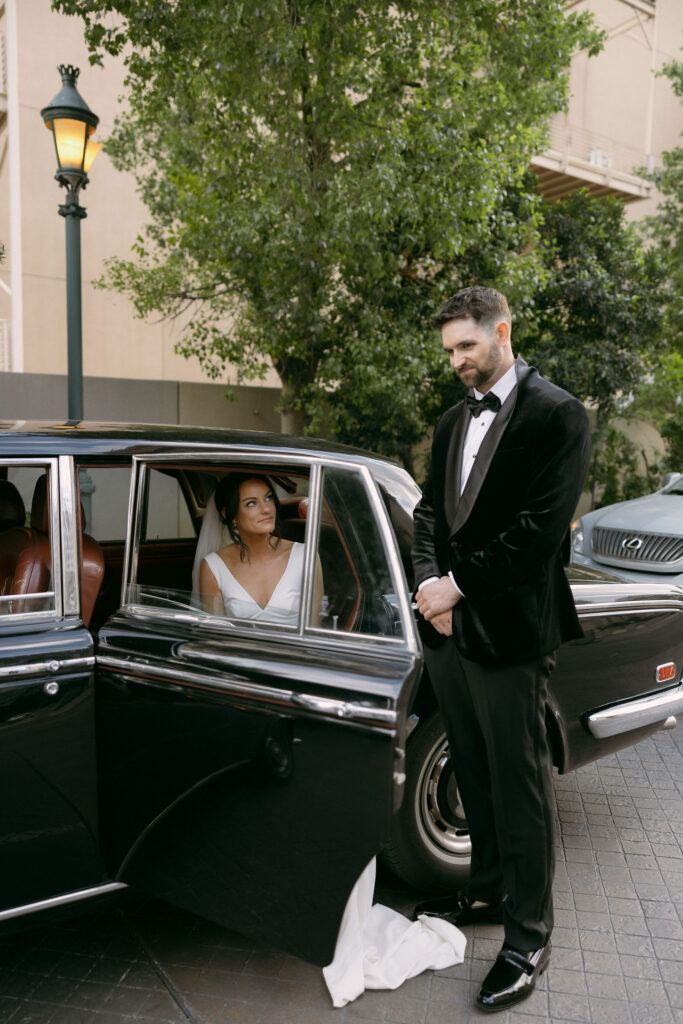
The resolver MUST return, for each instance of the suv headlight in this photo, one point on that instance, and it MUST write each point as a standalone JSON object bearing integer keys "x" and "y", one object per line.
{"x": 577, "y": 536}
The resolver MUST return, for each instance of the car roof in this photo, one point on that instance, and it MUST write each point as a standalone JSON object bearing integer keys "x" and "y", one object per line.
{"x": 50, "y": 437}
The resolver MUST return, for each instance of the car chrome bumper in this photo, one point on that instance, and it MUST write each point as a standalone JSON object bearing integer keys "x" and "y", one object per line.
{"x": 636, "y": 713}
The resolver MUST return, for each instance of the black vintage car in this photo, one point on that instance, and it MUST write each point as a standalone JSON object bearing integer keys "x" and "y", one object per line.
{"x": 248, "y": 771}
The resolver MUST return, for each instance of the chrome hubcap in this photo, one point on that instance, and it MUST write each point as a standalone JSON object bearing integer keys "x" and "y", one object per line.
{"x": 440, "y": 816}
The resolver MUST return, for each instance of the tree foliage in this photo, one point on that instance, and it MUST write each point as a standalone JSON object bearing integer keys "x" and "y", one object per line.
{"x": 595, "y": 326}
{"x": 597, "y": 315}
{"x": 665, "y": 228}
{"x": 320, "y": 173}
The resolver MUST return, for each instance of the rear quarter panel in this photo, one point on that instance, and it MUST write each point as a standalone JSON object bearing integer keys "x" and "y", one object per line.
{"x": 629, "y": 630}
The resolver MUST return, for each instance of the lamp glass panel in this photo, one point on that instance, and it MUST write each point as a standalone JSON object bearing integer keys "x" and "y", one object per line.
{"x": 70, "y": 139}
{"x": 91, "y": 151}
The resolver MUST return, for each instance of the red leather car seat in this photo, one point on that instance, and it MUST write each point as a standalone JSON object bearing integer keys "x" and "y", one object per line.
{"x": 12, "y": 508}
{"x": 92, "y": 572}
{"x": 25, "y": 559}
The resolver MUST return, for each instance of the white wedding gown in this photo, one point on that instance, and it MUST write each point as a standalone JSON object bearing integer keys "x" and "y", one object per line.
{"x": 376, "y": 946}
{"x": 283, "y": 605}
{"x": 379, "y": 948}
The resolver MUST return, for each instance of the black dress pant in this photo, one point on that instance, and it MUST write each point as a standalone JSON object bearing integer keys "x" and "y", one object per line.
{"x": 495, "y": 723}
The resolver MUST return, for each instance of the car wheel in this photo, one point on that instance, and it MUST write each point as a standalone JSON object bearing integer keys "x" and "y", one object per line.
{"x": 430, "y": 842}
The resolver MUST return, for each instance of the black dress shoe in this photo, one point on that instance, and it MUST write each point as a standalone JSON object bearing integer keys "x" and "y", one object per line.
{"x": 458, "y": 910}
{"x": 512, "y": 977}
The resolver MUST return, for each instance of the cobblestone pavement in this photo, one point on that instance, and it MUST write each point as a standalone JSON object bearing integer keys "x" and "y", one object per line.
{"x": 617, "y": 945}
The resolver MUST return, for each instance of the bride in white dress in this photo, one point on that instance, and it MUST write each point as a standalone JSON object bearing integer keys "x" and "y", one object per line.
{"x": 257, "y": 574}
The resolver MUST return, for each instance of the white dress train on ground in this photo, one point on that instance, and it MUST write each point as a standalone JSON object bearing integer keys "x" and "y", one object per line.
{"x": 379, "y": 948}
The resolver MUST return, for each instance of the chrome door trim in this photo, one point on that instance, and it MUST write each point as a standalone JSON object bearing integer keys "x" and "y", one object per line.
{"x": 52, "y": 667}
{"x": 332, "y": 708}
{"x": 130, "y": 554}
{"x": 654, "y": 597}
{"x": 59, "y": 901}
{"x": 636, "y": 713}
{"x": 409, "y": 623}
{"x": 313, "y": 517}
{"x": 69, "y": 506}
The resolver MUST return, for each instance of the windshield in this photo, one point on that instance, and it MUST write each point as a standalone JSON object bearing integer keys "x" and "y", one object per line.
{"x": 676, "y": 487}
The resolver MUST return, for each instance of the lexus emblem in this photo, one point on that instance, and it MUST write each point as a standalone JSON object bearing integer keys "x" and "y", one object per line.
{"x": 632, "y": 543}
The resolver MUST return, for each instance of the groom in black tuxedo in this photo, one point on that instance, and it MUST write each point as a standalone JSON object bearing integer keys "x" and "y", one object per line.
{"x": 491, "y": 541}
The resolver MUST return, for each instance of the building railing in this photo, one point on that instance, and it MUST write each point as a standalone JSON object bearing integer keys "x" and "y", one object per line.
{"x": 599, "y": 151}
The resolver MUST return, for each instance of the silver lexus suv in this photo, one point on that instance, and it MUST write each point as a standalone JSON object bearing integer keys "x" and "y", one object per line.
{"x": 641, "y": 540}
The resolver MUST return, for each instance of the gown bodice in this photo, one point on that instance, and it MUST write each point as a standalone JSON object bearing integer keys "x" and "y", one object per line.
{"x": 283, "y": 605}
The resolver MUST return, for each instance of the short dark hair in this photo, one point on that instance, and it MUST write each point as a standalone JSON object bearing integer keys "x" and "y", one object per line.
{"x": 227, "y": 496}
{"x": 484, "y": 305}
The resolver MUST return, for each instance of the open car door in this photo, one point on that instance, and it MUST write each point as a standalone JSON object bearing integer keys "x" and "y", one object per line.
{"x": 250, "y": 769}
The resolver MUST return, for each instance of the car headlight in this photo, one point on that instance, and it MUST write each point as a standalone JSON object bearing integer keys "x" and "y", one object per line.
{"x": 577, "y": 536}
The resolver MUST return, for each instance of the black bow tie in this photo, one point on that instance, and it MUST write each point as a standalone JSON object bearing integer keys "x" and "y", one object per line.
{"x": 477, "y": 405}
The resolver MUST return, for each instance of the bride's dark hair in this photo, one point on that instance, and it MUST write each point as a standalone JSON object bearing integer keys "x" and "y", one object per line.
{"x": 227, "y": 498}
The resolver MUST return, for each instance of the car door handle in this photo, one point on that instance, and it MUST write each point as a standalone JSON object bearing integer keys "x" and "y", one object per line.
{"x": 350, "y": 710}
{"x": 41, "y": 668}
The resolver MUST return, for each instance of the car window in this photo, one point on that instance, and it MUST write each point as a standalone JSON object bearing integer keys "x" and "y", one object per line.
{"x": 359, "y": 594}
{"x": 183, "y": 543}
{"x": 104, "y": 493}
{"x": 167, "y": 514}
{"x": 28, "y": 555}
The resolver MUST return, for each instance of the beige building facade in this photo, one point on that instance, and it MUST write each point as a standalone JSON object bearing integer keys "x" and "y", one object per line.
{"x": 621, "y": 116}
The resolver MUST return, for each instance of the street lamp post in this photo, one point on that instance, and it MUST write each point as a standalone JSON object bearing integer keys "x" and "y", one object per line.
{"x": 72, "y": 123}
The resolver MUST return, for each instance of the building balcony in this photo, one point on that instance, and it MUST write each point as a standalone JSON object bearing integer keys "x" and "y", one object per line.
{"x": 578, "y": 159}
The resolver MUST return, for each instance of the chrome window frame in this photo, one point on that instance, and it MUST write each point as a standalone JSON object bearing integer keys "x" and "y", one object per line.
{"x": 314, "y": 464}
{"x": 391, "y": 554}
{"x": 60, "y": 568}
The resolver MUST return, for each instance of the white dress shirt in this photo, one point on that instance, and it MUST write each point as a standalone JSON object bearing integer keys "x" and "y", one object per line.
{"x": 478, "y": 425}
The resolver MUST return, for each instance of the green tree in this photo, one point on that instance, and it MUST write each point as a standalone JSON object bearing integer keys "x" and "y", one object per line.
{"x": 660, "y": 400}
{"x": 597, "y": 314}
{"x": 595, "y": 324}
{"x": 665, "y": 228}
{"x": 316, "y": 172}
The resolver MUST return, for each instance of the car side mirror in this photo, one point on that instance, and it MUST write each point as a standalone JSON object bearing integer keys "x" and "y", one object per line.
{"x": 670, "y": 478}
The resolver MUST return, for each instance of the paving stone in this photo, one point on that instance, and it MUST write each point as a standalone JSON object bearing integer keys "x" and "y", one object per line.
{"x": 662, "y": 928}
{"x": 624, "y": 906}
{"x": 670, "y": 970}
{"x": 593, "y": 904}
{"x": 636, "y": 945}
{"x": 649, "y": 1013}
{"x": 605, "y": 986}
{"x": 609, "y": 1011}
{"x": 603, "y": 942}
{"x": 642, "y": 990}
{"x": 630, "y": 925}
{"x": 640, "y": 967}
{"x": 669, "y": 949}
{"x": 567, "y": 981}
{"x": 603, "y": 963}
{"x": 569, "y": 1007}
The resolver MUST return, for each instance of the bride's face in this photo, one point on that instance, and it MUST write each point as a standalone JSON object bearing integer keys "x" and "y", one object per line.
{"x": 256, "y": 511}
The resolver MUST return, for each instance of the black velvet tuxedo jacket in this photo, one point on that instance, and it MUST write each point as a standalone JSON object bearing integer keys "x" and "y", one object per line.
{"x": 506, "y": 538}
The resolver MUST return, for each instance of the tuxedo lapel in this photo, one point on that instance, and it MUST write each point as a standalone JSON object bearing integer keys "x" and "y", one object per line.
{"x": 454, "y": 463}
{"x": 484, "y": 455}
